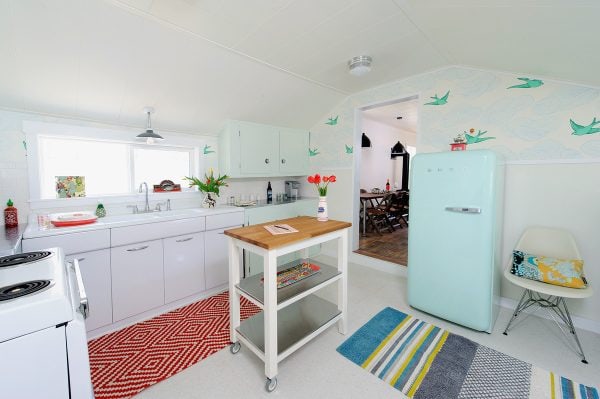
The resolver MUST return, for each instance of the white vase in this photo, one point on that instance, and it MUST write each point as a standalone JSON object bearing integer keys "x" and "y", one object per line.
{"x": 209, "y": 200}
{"x": 322, "y": 215}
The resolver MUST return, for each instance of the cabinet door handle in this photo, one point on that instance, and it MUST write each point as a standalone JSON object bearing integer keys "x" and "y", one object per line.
{"x": 137, "y": 249}
{"x": 80, "y": 259}
{"x": 184, "y": 239}
{"x": 266, "y": 160}
{"x": 282, "y": 160}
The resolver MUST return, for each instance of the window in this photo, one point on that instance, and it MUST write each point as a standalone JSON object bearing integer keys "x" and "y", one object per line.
{"x": 109, "y": 167}
{"x": 154, "y": 165}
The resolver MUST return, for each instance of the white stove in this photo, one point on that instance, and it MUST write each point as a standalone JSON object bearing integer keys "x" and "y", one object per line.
{"x": 43, "y": 343}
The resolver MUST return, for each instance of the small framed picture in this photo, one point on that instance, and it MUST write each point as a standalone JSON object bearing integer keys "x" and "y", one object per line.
{"x": 70, "y": 186}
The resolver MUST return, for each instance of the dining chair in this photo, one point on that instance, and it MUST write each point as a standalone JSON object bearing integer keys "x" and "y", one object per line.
{"x": 559, "y": 244}
{"x": 379, "y": 215}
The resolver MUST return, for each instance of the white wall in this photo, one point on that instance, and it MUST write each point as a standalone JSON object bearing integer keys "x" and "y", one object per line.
{"x": 551, "y": 175}
{"x": 376, "y": 163}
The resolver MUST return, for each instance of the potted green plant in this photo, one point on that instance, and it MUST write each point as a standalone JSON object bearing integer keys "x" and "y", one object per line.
{"x": 210, "y": 186}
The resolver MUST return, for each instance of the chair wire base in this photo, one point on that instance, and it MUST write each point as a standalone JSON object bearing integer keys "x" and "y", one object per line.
{"x": 555, "y": 305}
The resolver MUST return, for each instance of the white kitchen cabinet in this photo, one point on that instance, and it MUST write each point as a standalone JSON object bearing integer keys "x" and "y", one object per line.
{"x": 137, "y": 278}
{"x": 183, "y": 266}
{"x": 92, "y": 248}
{"x": 95, "y": 271}
{"x": 253, "y": 150}
{"x": 215, "y": 258}
{"x": 293, "y": 152}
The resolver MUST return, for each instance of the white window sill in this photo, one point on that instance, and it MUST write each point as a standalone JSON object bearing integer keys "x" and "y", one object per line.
{"x": 110, "y": 199}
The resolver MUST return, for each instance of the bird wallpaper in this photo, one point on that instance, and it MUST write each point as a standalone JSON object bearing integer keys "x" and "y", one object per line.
{"x": 526, "y": 119}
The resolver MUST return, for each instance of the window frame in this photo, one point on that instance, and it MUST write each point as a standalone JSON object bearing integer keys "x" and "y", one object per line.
{"x": 34, "y": 130}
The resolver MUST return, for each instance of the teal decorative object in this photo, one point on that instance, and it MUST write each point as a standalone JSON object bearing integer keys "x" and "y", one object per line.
{"x": 332, "y": 121}
{"x": 313, "y": 153}
{"x": 349, "y": 149}
{"x": 529, "y": 84}
{"x": 439, "y": 101}
{"x": 100, "y": 211}
{"x": 579, "y": 130}
{"x": 476, "y": 138}
{"x": 207, "y": 150}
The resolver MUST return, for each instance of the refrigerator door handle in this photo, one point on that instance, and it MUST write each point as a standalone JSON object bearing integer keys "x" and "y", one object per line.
{"x": 461, "y": 209}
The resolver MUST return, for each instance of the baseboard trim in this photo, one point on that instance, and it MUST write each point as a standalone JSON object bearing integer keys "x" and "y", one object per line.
{"x": 578, "y": 321}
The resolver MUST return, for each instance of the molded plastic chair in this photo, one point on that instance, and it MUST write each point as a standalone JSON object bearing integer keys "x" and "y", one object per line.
{"x": 556, "y": 243}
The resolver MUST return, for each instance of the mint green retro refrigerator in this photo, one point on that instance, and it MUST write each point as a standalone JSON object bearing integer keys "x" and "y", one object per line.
{"x": 454, "y": 243}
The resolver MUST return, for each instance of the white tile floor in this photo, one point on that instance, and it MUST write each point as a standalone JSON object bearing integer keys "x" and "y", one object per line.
{"x": 318, "y": 371}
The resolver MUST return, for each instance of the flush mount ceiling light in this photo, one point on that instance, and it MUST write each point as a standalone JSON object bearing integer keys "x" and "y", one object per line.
{"x": 149, "y": 135}
{"x": 360, "y": 65}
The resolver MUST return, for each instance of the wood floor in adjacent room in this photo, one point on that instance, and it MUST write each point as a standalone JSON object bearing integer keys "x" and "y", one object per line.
{"x": 392, "y": 247}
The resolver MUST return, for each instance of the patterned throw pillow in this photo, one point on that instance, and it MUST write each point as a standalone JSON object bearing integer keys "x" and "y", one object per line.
{"x": 564, "y": 272}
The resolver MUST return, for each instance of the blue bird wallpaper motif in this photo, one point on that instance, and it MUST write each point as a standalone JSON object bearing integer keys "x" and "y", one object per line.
{"x": 349, "y": 149}
{"x": 313, "y": 152}
{"x": 439, "y": 101}
{"x": 477, "y": 138}
{"x": 529, "y": 84}
{"x": 207, "y": 150}
{"x": 332, "y": 121}
{"x": 579, "y": 130}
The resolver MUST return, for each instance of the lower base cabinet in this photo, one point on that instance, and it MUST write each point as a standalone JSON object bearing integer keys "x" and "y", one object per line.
{"x": 95, "y": 272}
{"x": 137, "y": 278}
{"x": 183, "y": 266}
{"x": 216, "y": 262}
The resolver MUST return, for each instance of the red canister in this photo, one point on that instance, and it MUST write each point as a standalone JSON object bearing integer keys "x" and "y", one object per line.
{"x": 11, "y": 218}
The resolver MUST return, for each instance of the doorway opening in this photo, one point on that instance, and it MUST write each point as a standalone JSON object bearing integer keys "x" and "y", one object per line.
{"x": 386, "y": 140}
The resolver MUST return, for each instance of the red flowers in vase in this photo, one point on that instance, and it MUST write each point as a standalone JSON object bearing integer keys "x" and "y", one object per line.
{"x": 321, "y": 183}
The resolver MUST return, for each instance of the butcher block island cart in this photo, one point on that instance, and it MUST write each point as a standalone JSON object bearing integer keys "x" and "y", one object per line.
{"x": 291, "y": 316}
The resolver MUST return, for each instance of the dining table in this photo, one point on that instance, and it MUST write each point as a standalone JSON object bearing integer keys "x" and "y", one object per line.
{"x": 368, "y": 197}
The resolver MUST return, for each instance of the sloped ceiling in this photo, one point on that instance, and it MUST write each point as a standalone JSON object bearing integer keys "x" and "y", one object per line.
{"x": 199, "y": 62}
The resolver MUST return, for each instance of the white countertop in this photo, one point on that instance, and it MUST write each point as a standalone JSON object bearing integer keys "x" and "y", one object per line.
{"x": 34, "y": 231}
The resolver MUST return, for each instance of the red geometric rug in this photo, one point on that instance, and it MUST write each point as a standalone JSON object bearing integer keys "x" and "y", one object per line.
{"x": 128, "y": 361}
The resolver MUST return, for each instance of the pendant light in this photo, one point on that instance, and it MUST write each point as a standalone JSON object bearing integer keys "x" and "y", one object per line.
{"x": 150, "y": 135}
{"x": 365, "y": 141}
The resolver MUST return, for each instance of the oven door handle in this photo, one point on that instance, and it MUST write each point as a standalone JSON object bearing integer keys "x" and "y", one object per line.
{"x": 84, "y": 307}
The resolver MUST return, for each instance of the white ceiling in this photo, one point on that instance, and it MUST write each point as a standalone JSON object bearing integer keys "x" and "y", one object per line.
{"x": 199, "y": 62}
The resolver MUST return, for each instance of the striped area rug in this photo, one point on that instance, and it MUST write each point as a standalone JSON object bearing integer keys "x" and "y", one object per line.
{"x": 130, "y": 360}
{"x": 424, "y": 361}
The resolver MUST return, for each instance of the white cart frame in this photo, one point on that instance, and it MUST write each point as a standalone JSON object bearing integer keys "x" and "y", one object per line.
{"x": 270, "y": 356}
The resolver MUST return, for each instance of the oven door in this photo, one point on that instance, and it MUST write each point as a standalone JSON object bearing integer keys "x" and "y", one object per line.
{"x": 35, "y": 365}
{"x": 77, "y": 349}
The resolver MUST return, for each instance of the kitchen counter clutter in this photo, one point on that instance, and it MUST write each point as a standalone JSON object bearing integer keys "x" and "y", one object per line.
{"x": 34, "y": 230}
{"x": 293, "y": 315}
{"x": 140, "y": 265}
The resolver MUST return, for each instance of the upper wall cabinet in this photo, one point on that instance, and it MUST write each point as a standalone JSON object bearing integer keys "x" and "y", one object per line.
{"x": 252, "y": 150}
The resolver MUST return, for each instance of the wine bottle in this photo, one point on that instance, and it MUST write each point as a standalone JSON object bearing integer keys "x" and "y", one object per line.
{"x": 387, "y": 185}
{"x": 269, "y": 193}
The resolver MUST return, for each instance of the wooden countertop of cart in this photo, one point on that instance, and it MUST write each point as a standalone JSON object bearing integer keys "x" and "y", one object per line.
{"x": 307, "y": 227}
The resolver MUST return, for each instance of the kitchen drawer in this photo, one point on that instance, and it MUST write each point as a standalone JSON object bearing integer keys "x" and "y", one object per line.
{"x": 154, "y": 231}
{"x": 214, "y": 222}
{"x": 71, "y": 243}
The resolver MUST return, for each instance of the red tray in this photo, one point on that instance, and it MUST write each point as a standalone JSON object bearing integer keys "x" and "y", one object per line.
{"x": 77, "y": 219}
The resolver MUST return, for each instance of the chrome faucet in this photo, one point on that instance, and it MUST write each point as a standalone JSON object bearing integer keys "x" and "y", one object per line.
{"x": 147, "y": 206}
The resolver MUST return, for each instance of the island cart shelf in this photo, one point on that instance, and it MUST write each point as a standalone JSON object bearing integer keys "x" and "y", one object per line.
{"x": 292, "y": 315}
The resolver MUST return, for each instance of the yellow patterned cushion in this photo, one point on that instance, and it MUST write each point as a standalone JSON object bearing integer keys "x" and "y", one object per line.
{"x": 564, "y": 272}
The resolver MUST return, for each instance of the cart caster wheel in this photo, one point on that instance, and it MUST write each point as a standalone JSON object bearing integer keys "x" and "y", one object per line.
{"x": 235, "y": 347}
{"x": 271, "y": 384}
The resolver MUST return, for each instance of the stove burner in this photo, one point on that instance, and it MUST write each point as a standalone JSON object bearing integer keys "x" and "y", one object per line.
{"x": 27, "y": 257}
{"x": 22, "y": 289}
